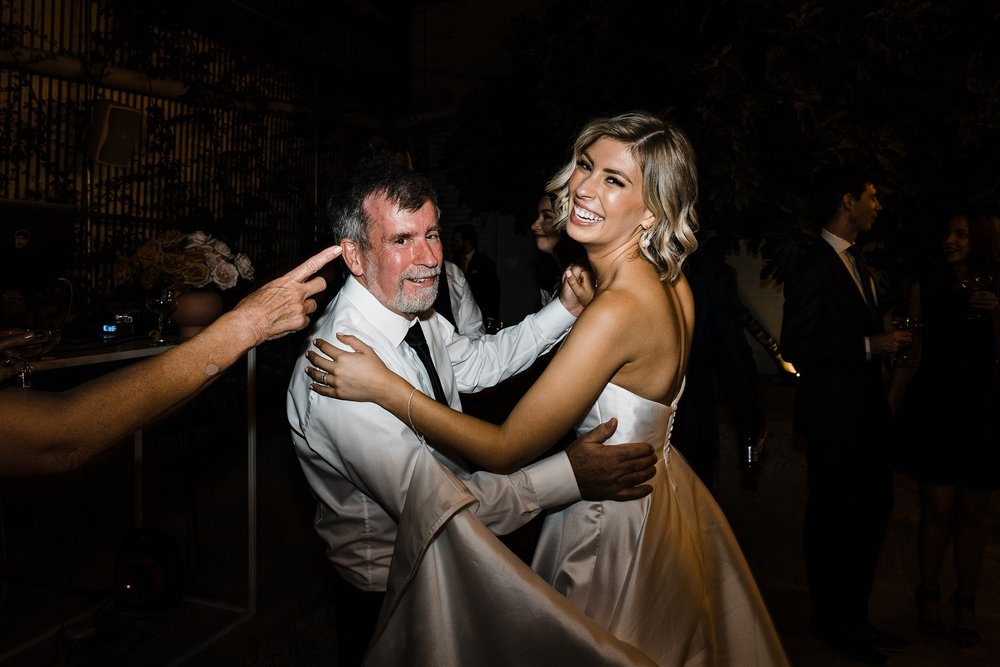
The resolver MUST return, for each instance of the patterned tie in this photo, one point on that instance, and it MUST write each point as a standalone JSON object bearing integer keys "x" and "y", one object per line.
{"x": 415, "y": 339}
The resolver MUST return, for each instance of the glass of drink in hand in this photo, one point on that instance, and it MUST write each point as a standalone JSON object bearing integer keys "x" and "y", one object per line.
{"x": 906, "y": 353}
{"x": 40, "y": 342}
{"x": 965, "y": 286}
{"x": 979, "y": 283}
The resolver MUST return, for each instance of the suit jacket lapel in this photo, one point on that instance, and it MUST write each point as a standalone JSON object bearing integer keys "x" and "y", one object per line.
{"x": 845, "y": 280}
{"x": 845, "y": 285}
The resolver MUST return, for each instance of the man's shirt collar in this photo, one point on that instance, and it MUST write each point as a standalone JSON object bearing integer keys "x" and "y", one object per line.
{"x": 837, "y": 243}
{"x": 392, "y": 326}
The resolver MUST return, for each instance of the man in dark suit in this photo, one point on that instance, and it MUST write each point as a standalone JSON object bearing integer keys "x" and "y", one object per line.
{"x": 720, "y": 356}
{"x": 833, "y": 333}
{"x": 479, "y": 270}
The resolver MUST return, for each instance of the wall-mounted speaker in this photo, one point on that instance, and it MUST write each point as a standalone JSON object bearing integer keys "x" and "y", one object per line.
{"x": 114, "y": 132}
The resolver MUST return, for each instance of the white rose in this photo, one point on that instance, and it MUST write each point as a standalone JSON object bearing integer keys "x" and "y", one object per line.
{"x": 197, "y": 239}
{"x": 221, "y": 248}
{"x": 210, "y": 257}
{"x": 244, "y": 266}
{"x": 225, "y": 275}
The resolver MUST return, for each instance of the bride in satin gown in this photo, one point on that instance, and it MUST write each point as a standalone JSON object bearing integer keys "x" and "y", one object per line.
{"x": 664, "y": 574}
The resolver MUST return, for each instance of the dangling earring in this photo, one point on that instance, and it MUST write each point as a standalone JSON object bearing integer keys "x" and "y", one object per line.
{"x": 644, "y": 240}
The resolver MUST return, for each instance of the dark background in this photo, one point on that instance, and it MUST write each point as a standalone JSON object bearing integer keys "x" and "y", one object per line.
{"x": 770, "y": 91}
{"x": 488, "y": 96}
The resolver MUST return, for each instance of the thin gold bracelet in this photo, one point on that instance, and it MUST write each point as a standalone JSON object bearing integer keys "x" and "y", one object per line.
{"x": 409, "y": 415}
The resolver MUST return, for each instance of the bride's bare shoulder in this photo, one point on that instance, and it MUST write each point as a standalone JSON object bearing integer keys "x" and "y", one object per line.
{"x": 625, "y": 305}
{"x": 609, "y": 307}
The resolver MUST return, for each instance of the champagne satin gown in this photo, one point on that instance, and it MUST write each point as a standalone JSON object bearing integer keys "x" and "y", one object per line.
{"x": 659, "y": 581}
{"x": 664, "y": 573}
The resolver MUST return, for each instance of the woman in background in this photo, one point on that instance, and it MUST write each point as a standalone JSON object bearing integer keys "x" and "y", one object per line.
{"x": 557, "y": 250}
{"x": 947, "y": 416}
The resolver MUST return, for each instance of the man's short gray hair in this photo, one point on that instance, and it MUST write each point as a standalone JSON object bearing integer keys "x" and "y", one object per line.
{"x": 349, "y": 217}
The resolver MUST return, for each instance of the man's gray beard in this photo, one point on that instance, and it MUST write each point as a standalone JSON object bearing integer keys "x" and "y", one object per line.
{"x": 400, "y": 302}
{"x": 404, "y": 303}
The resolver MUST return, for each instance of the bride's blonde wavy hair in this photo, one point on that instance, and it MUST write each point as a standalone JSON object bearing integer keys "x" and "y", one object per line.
{"x": 669, "y": 184}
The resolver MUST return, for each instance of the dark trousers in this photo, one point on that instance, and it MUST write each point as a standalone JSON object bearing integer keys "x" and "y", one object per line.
{"x": 356, "y": 612}
{"x": 850, "y": 500}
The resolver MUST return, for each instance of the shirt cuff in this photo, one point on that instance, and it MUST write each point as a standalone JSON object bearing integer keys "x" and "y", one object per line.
{"x": 553, "y": 480}
{"x": 553, "y": 319}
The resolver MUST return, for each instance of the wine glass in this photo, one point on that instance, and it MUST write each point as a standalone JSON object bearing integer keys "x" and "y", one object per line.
{"x": 163, "y": 305}
{"x": 40, "y": 343}
{"x": 979, "y": 283}
{"x": 906, "y": 354}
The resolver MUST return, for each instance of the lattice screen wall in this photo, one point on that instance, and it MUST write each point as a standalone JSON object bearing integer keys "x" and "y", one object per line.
{"x": 227, "y": 143}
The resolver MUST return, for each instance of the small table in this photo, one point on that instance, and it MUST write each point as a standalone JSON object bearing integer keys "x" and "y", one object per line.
{"x": 81, "y": 354}
{"x": 71, "y": 355}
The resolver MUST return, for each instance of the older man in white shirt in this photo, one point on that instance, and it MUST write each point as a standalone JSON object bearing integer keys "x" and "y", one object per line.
{"x": 358, "y": 458}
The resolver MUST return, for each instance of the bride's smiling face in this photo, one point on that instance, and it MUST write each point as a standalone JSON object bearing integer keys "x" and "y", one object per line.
{"x": 605, "y": 192}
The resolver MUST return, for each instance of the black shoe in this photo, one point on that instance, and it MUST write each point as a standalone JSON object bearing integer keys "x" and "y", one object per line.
{"x": 883, "y": 641}
{"x": 963, "y": 636}
{"x": 929, "y": 625}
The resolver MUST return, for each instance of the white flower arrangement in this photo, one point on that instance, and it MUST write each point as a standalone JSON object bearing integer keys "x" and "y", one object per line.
{"x": 179, "y": 261}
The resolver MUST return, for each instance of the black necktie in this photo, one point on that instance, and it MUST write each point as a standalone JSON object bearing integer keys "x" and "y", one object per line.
{"x": 442, "y": 303}
{"x": 866, "y": 280}
{"x": 415, "y": 339}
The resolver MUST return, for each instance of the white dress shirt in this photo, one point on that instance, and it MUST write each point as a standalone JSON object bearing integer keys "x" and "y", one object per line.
{"x": 358, "y": 458}
{"x": 468, "y": 317}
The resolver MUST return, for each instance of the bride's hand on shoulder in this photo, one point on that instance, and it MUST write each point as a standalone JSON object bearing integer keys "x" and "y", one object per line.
{"x": 577, "y": 289}
{"x": 357, "y": 375}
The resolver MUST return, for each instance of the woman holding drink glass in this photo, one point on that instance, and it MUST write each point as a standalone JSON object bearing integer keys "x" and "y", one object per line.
{"x": 946, "y": 418}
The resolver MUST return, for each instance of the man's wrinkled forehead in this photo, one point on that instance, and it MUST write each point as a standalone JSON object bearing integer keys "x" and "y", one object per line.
{"x": 380, "y": 207}
{"x": 389, "y": 219}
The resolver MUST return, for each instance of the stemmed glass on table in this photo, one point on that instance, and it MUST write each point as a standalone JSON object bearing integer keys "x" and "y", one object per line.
{"x": 40, "y": 343}
{"x": 163, "y": 305}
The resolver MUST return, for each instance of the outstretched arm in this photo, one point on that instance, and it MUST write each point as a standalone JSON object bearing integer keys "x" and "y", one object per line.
{"x": 99, "y": 413}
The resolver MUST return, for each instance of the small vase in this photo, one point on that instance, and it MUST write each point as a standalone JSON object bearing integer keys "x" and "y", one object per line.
{"x": 196, "y": 309}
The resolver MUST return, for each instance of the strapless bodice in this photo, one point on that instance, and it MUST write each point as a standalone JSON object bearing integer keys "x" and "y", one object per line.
{"x": 639, "y": 419}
